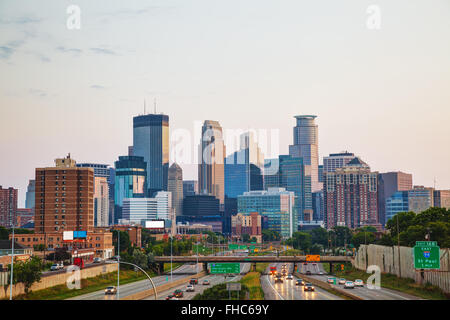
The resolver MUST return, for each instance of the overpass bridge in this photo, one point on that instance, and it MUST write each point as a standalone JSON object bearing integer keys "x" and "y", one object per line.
{"x": 247, "y": 259}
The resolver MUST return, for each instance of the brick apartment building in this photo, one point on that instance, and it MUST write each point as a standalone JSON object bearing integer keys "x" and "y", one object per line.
{"x": 250, "y": 224}
{"x": 8, "y": 206}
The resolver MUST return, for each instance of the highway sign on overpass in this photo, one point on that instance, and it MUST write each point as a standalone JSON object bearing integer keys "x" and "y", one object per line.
{"x": 220, "y": 268}
{"x": 236, "y": 247}
{"x": 426, "y": 255}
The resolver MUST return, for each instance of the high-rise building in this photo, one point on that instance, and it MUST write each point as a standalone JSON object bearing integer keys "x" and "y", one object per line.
{"x": 151, "y": 141}
{"x": 350, "y": 196}
{"x": 175, "y": 186}
{"x": 29, "y": 200}
{"x": 306, "y": 146}
{"x": 396, "y": 203}
{"x": 130, "y": 181}
{"x": 102, "y": 188}
{"x": 318, "y": 206}
{"x": 291, "y": 173}
{"x": 190, "y": 187}
{"x": 276, "y": 204}
{"x": 336, "y": 160}
{"x": 388, "y": 184}
{"x": 441, "y": 198}
{"x": 8, "y": 207}
{"x": 64, "y": 198}
{"x": 140, "y": 210}
{"x": 211, "y": 175}
{"x": 420, "y": 199}
{"x": 202, "y": 209}
{"x": 321, "y": 173}
{"x": 248, "y": 223}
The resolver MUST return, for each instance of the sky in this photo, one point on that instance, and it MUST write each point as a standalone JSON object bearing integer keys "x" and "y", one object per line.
{"x": 376, "y": 74}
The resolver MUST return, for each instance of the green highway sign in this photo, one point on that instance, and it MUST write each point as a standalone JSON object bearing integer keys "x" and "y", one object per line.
{"x": 426, "y": 243}
{"x": 426, "y": 257}
{"x": 225, "y": 268}
{"x": 236, "y": 247}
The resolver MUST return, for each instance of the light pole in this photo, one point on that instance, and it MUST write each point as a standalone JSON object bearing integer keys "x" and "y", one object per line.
{"x": 171, "y": 239}
{"x": 118, "y": 262}
{"x": 12, "y": 262}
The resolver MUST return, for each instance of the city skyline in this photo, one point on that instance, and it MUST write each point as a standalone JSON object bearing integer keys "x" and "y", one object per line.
{"x": 67, "y": 91}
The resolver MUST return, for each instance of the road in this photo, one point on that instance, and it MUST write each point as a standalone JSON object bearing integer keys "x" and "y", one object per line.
{"x": 138, "y": 286}
{"x": 199, "y": 288}
{"x": 288, "y": 290}
{"x": 363, "y": 292}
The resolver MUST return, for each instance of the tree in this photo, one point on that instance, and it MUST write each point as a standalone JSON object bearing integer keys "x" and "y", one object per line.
{"x": 341, "y": 236}
{"x": 301, "y": 241}
{"x": 270, "y": 235}
{"x": 319, "y": 236}
{"x": 27, "y": 272}
{"x": 4, "y": 234}
{"x": 125, "y": 243}
{"x": 316, "y": 249}
{"x": 245, "y": 237}
{"x": 363, "y": 238}
{"x": 405, "y": 219}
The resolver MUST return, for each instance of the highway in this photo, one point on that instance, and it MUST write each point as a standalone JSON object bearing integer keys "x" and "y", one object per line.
{"x": 363, "y": 292}
{"x": 288, "y": 290}
{"x": 135, "y": 287}
{"x": 199, "y": 288}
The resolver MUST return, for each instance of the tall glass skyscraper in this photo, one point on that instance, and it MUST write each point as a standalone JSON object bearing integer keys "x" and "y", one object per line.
{"x": 130, "y": 181}
{"x": 151, "y": 141}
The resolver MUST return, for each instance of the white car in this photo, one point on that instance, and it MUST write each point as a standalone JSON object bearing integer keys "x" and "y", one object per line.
{"x": 111, "y": 290}
{"x": 190, "y": 288}
{"x": 349, "y": 285}
{"x": 341, "y": 281}
{"x": 320, "y": 273}
{"x": 359, "y": 283}
{"x": 289, "y": 277}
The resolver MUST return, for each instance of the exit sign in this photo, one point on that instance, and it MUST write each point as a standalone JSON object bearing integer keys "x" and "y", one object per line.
{"x": 426, "y": 256}
{"x": 220, "y": 268}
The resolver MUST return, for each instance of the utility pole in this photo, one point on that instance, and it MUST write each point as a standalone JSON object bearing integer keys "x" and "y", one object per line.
{"x": 398, "y": 248}
{"x": 118, "y": 262}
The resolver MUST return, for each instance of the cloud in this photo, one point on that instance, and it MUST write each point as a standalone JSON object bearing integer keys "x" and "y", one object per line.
{"x": 96, "y": 86}
{"x": 75, "y": 51}
{"x": 37, "y": 92}
{"x": 20, "y": 20}
{"x": 103, "y": 51}
{"x": 6, "y": 52}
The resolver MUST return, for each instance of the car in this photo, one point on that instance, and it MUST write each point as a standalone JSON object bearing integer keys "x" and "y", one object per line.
{"x": 305, "y": 263}
{"x": 56, "y": 266}
{"x": 341, "y": 281}
{"x": 193, "y": 281}
{"x": 278, "y": 278}
{"x": 308, "y": 272}
{"x": 178, "y": 293}
{"x": 97, "y": 260}
{"x": 171, "y": 297}
{"x": 289, "y": 277}
{"x": 320, "y": 273}
{"x": 300, "y": 282}
{"x": 190, "y": 288}
{"x": 205, "y": 282}
{"x": 331, "y": 279}
{"x": 349, "y": 285}
{"x": 308, "y": 287}
{"x": 359, "y": 283}
{"x": 111, "y": 290}
{"x": 314, "y": 264}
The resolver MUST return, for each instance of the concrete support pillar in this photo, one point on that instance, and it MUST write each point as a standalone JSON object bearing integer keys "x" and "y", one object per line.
{"x": 160, "y": 268}
{"x": 205, "y": 267}
{"x": 331, "y": 268}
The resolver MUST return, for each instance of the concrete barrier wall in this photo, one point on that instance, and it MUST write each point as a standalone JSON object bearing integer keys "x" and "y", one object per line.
{"x": 57, "y": 279}
{"x": 387, "y": 258}
{"x": 159, "y": 289}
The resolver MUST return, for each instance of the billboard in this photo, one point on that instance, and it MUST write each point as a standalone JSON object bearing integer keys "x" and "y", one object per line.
{"x": 68, "y": 235}
{"x": 155, "y": 224}
{"x": 79, "y": 234}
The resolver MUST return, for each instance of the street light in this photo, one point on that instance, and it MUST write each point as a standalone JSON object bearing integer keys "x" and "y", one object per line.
{"x": 12, "y": 260}
{"x": 118, "y": 262}
{"x": 136, "y": 266}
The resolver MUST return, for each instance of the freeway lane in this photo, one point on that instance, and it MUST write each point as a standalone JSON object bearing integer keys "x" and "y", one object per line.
{"x": 135, "y": 287}
{"x": 363, "y": 292}
{"x": 288, "y": 290}
{"x": 199, "y": 288}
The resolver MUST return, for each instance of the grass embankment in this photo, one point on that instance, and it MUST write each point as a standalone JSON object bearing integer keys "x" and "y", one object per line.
{"x": 253, "y": 282}
{"x": 393, "y": 282}
{"x": 61, "y": 292}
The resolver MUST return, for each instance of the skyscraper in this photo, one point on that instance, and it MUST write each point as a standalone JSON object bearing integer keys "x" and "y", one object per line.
{"x": 211, "y": 175}
{"x": 441, "y": 198}
{"x": 130, "y": 181}
{"x": 420, "y": 199}
{"x": 151, "y": 141}
{"x": 388, "y": 184}
{"x": 8, "y": 206}
{"x": 306, "y": 145}
{"x": 350, "y": 196}
{"x": 190, "y": 187}
{"x": 30, "y": 196}
{"x": 140, "y": 210}
{"x": 175, "y": 186}
{"x": 336, "y": 160}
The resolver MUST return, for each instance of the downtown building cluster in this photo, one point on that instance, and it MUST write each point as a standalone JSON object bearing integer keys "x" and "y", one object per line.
{"x": 238, "y": 193}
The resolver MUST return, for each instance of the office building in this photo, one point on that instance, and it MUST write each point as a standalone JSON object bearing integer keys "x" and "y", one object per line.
{"x": 139, "y": 210}
{"x": 318, "y": 206}
{"x": 211, "y": 172}
{"x": 64, "y": 198}
{"x": 337, "y": 160}
{"x": 321, "y": 173}
{"x": 396, "y": 203}
{"x": 247, "y": 224}
{"x": 202, "y": 209}
{"x": 175, "y": 186}
{"x": 420, "y": 199}
{"x": 276, "y": 204}
{"x": 350, "y": 196}
{"x": 29, "y": 200}
{"x": 151, "y": 141}
{"x": 441, "y": 198}
{"x": 190, "y": 187}
{"x": 306, "y": 146}
{"x": 130, "y": 181}
{"x": 388, "y": 184}
{"x": 8, "y": 206}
